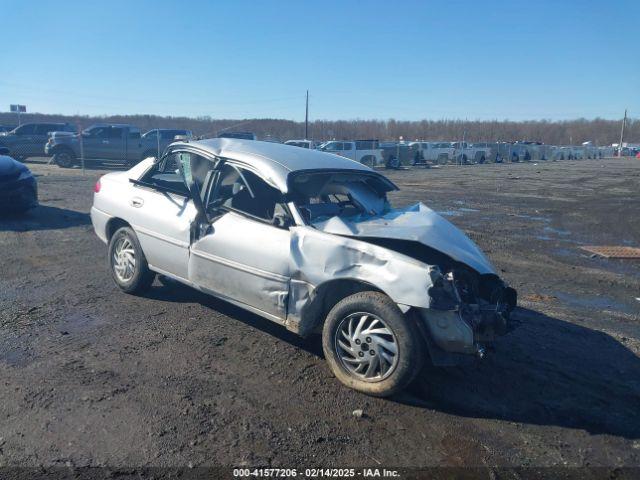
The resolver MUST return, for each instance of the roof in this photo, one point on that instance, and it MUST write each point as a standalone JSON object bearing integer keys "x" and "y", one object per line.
{"x": 275, "y": 162}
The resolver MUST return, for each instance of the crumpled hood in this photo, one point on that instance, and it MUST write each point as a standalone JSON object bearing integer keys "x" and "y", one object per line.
{"x": 418, "y": 223}
{"x": 9, "y": 166}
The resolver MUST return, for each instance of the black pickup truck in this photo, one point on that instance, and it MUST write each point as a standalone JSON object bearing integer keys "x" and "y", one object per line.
{"x": 120, "y": 143}
{"x": 28, "y": 139}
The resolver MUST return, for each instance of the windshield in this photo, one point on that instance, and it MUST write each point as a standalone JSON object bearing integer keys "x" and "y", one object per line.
{"x": 320, "y": 196}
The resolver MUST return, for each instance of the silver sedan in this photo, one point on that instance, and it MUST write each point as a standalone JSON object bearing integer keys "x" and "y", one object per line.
{"x": 309, "y": 240}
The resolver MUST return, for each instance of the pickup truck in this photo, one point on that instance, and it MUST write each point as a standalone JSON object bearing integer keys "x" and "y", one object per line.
{"x": 28, "y": 140}
{"x": 464, "y": 152}
{"x": 367, "y": 152}
{"x": 104, "y": 142}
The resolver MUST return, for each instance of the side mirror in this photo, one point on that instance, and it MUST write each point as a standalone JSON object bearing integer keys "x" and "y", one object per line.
{"x": 282, "y": 220}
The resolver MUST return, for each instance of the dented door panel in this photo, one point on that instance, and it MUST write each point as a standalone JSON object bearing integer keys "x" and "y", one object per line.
{"x": 244, "y": 260}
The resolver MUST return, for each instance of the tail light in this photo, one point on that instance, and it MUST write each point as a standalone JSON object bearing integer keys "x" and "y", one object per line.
{"x": 96, "y": 187}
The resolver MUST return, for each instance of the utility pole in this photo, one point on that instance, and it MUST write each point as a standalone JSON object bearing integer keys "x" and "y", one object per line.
{"x": 306, "y": 119}
{"x": 624, "y": 123}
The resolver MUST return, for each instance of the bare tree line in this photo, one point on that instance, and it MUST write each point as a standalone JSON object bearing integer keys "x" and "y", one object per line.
{"x": 599, "y": 131}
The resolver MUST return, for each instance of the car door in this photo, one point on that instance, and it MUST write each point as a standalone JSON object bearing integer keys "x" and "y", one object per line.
{"x": 162, "y": 214}
{"x": 114, "y": 146}
{"x": 242, "y": 256}
{"x": 40, "y": 137}
{"x": 21, "y": 144}
{"x": 92, "y": 142}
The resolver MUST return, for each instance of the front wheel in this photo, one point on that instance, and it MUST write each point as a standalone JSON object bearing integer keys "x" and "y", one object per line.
{"x": 127, "y": 262}
{"x": 370, "y": 345}
{"x": 64, "y": 159}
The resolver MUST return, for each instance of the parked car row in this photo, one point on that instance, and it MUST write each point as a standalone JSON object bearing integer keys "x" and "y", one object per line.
{"x": 393, "y": 154}
{"x": 126, "y": 144}
{"x": 100, "y": 142}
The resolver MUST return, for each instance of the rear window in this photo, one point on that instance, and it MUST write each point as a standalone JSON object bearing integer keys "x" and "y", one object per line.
{"x": 171, "y": 134}
{"x": 366, "y": 144}
{"x": 114, "y": 132}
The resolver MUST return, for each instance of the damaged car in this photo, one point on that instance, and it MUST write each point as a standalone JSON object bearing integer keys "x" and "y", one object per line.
{"x": 311, "y": 241}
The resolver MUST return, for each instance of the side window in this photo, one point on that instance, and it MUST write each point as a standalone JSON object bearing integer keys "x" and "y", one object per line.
{"x": 166, "y": 174}
{"x": 42, "y": 129}
{"x": 243, "y": 191}
{"x": 26, "y": 130}
{"x": 115, "y": 132}
{"x": 134, "y": 134}
{"x": 346, "y": 146}
{"x": 99, "y": 132}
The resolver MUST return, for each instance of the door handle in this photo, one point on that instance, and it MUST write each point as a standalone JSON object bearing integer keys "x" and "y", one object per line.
{"x": 136, "y": 202}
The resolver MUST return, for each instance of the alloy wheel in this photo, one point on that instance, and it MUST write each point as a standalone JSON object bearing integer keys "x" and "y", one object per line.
{"x": 124, "y": 259}
{"x": 366, "y": 346}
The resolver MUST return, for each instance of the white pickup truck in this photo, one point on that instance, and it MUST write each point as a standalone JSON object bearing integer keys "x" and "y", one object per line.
{"x": 433, "y": 152}
{"x": 470, "y": 153}
{"x": 367, "y": 152}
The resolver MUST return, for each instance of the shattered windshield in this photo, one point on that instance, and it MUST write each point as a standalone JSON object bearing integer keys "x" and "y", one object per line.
{"x": 321, "y": 196}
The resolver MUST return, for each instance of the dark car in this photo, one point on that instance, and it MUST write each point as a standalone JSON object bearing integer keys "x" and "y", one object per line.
{"x": 18, "y": 187}
{"x": 109, "y": 142}
{"x": 239, "y": 135}
{"x": 28, "y": 140}
{"x": 7, "y": 128}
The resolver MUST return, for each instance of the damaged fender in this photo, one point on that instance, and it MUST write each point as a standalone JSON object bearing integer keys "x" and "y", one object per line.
{"x": 318, "y": 258}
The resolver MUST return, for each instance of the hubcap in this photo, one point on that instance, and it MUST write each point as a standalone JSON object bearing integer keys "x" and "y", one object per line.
{"x": 366, "y": 346}
{"x": 124, "y": 259}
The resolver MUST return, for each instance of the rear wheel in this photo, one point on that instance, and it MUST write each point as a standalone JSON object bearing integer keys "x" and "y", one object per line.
{"x": 370, "y": 345}
{"x": 392, "y": 162}
{"x": 129, "y": 267}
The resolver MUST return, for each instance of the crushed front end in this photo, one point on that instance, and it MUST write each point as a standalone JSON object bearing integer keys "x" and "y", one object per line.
{"x": 467, "y": 312}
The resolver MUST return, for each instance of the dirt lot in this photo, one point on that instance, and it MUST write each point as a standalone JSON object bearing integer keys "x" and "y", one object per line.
{"x": 91, "y": 376}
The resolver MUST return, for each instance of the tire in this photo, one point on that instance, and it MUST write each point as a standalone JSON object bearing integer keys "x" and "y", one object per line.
{"x": 392, "y": 163}
{"x": 385, "y": 378}
{"x": 135, "y": 278}
{"x": 64, "y": 159}
{"x": 482, "y": 160}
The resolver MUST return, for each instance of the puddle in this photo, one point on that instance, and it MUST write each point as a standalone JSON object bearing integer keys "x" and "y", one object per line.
{"x": 15, "y": 358}
{"x": 456, "y": 212}
{"x": 557, "y": 231}
{"x": 448, "y": 213}
{"x": 530, "y": 217}
{"x": 77, "y": 323}
{"x": 599, "y": 302}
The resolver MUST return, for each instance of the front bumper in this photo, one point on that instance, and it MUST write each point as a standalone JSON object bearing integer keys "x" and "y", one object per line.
{"x": 454, "y": 330}
{"x": 18, "y": 195}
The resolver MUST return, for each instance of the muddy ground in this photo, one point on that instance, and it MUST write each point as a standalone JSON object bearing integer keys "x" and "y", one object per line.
{"x": 91, "y": 376}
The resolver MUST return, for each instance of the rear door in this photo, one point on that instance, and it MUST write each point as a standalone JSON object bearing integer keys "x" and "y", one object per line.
{"x": 162, "y": 214}
{"x": 113, "y": 147}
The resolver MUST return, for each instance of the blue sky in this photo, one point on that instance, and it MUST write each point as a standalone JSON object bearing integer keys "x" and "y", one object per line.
{"x": 389, "y": 59}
